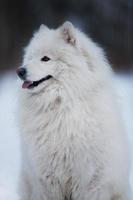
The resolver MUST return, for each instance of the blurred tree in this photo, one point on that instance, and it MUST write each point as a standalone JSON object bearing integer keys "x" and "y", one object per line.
{"x": 108, "y": 22}
{"x": 16, "y": 21}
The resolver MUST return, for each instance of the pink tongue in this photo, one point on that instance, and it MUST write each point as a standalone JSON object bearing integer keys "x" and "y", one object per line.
{"x": 26, "y": 84}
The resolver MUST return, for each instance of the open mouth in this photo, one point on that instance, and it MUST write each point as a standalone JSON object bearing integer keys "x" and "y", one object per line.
{"x": 32, "y": 84}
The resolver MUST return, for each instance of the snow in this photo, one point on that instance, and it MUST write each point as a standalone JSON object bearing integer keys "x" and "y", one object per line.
{"x": 9, "y": 141}
{"x": 9, "y": 136}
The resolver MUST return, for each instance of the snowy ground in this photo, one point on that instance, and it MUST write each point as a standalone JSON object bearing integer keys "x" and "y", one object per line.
{"x": 9, "y": 140}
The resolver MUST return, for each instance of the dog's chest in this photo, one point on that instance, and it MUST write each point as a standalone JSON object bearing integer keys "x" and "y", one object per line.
{"x": 61, "y": 143}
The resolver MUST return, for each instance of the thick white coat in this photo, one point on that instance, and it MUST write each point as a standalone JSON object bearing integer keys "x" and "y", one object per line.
{"x": 73, "y": 143}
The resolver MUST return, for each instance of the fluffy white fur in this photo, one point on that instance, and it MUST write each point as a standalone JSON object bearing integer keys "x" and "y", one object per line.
{"x": 73, "y": 145}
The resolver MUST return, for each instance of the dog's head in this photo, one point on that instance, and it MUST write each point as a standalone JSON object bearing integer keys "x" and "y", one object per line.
{"x": 55, "y": 55}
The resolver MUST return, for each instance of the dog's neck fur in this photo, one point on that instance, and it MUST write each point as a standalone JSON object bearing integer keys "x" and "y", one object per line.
{"x": 64, "y": 95}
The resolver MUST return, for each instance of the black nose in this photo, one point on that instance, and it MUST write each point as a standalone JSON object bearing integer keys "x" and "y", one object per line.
{"x": 21, "y": 72}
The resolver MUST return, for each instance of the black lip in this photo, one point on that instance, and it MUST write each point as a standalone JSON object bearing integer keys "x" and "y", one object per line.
{"x": 36, "y": 83}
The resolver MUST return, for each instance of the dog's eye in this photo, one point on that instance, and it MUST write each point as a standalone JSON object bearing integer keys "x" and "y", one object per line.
{"x": 45, "y": 59}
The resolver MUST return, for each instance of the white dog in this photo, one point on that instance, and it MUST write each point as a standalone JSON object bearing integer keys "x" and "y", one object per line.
{"x": 73, "y": 145}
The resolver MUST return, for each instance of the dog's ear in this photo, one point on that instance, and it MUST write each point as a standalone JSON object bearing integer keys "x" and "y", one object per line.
{"x": 43, "y": 27}
{"x": 68, "y": 32}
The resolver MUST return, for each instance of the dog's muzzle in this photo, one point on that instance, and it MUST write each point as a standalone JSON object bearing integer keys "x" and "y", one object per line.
{"x": 22, "y": 73}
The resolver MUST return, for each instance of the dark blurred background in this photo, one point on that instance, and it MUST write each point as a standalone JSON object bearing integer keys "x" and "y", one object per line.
{"x": 108, "y": 22}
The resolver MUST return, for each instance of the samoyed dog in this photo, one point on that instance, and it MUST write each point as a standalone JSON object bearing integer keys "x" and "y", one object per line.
{"x": 73, "y": 143}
